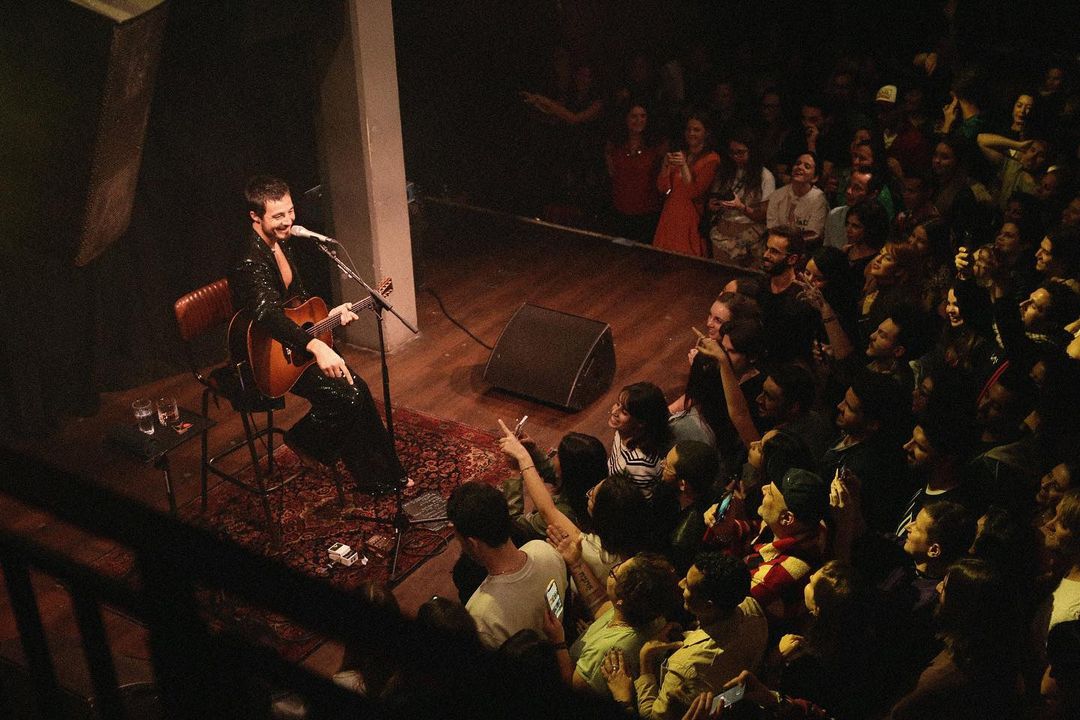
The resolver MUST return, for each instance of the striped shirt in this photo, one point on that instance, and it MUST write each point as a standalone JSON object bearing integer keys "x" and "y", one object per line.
{"x": 644, "y": 470}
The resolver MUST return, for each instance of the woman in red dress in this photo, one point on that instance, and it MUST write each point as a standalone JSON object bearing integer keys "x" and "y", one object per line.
{"x": 685, "y": 176}
{"x": 632, "y": 161}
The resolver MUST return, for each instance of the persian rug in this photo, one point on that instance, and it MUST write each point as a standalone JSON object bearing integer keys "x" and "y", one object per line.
{"x": 438, "y": 454}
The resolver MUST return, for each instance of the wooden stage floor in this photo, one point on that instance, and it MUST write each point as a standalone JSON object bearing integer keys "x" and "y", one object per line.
{"x": 483, "y": 266}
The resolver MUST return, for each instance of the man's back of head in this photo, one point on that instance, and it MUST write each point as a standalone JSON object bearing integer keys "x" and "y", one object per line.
{"x": 479, "y": 512}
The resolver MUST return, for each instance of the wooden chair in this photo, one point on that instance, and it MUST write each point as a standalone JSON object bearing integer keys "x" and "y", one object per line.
{"x": 198, "y": 313}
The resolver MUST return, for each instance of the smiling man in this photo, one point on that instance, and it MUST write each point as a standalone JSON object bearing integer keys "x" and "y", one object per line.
{"x": 343, "y": 421}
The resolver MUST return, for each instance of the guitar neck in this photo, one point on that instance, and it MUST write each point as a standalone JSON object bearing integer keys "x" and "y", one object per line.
{"x": 332, "y": 322}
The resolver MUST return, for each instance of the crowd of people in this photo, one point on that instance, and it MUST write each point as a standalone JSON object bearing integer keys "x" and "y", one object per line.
{"x": 688, "y": 157}
{"x": 866, "y": 501}
{"x": 865, "y": 504}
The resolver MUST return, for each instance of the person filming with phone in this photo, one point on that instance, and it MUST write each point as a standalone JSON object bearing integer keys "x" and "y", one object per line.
{"x": 787, "y": 547}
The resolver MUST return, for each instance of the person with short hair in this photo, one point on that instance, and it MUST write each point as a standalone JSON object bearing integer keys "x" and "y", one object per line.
{"x": 870, "y": 417}
{"x": 343, "y": 422}
{"x": 863, "y": 185}
{"x": 787, "y": 546}
{"x": 640, "y": 594}
{"x": 690, "y": 469}
{"x": 791, "y": 322}
{"x": 513, "y": 595}
{"x": 787, "y": 400}
{"x": 731, "y": 634}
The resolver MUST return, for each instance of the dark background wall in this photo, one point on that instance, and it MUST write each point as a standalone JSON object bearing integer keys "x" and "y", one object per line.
{"x": 236, "y": 94}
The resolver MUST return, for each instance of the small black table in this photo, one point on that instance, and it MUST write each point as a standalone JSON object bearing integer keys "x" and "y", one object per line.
{"x": 154, "y": 449}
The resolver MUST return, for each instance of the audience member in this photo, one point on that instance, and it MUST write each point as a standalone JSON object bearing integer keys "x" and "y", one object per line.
{"x": 799, "y": 204}
{"x": 731, "y": 634}
{"x": 691, "y": 469}
{"x": 685, "y": 177}
{"x": 640, "y": 593}
{"x": 862, "y": 185}
{"x": 735, "y": 215}
{"x": 786, "y": 549}
{"x": 871, "y": 420}
{"x": 579, "y": 463}
{"x": 633, "y": 158}
{"x": 642, "y": 435}
{"x": 977, "y": 674}
{"x": 791, "y": 321}
{"x": 512, "y": 596}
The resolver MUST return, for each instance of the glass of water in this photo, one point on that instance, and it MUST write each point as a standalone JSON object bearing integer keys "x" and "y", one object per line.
{"x": 168, "y": 412}
{"x": 144, "y": 415}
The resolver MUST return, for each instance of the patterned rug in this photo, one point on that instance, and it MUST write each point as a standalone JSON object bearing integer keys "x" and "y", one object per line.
{"x": 438, "y": 454}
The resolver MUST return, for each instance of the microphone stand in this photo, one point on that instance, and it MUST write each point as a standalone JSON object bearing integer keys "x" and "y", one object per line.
{"x": 400, "y": 522}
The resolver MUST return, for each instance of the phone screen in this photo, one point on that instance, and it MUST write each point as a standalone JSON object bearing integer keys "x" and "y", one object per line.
{"x": 729, "y": 696}
{"x": 721, "y": 511}
{"x": 554, "y": 600}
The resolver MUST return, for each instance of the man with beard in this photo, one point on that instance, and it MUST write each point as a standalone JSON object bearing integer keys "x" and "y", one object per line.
{"x": 791, "y": 323}
{"x": 343, "y": 422}
{"x": 938, "y": 454}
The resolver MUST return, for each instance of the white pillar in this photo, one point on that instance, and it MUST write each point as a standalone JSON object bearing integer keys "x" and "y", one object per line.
{"x": 363, "y": 166}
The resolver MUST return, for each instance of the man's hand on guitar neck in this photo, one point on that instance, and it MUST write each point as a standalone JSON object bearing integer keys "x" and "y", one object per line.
{"x": 331, "y": 364}
{"x": 347, "y": 315}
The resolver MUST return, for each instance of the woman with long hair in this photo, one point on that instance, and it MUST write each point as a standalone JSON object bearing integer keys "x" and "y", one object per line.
{"x": 579, "y": 463}
{"x": 632, "y": 157}
{"x": 702, "y": 411}
{"x": 977, "y": 674}
{"x": 642, "y": 435}
{"x": 734, "y": 219}
{"x": 616, "y": 524}
{"x": 932, "y": 262}
{"x": 833, "y": 663}
{"x": 685, "y": 177}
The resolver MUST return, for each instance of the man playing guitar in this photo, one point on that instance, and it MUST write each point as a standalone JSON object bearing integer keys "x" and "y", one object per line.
{"x": 343, "y": 421}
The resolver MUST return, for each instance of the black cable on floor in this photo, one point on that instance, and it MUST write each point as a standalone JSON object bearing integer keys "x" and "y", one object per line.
{"x": 452, "y": 319}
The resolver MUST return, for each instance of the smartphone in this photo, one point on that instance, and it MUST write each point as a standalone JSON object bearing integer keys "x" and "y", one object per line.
{"x": 729, "y": 696}
{"x": 554, "y": 600}
{"x": 722, "y": 508}
{"x": 520, "y": 425}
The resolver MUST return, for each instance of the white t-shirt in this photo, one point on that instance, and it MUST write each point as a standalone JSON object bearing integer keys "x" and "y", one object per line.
{"x": 506, "y": 604}
{"x": 806, "y": 213}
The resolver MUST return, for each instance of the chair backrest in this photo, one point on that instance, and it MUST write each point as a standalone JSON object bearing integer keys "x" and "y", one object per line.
{"x": 204, "y": 309}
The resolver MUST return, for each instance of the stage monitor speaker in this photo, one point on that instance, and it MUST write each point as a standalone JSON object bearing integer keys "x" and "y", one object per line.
{"x": 86, "y": 69}
{"x": 554, "y": 357}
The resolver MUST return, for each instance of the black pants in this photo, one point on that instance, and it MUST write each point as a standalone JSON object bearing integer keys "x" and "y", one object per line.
{"x": 344, "y": 423}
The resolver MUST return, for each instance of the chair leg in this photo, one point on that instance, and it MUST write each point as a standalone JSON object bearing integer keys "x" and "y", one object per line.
{"x": 259, "y": 478}
{"x": 205, "y": 449}
{"x": 270, "y": 443}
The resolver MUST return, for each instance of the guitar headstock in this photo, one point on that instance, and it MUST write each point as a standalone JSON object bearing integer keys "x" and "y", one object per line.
{"x": 386, "y": 286}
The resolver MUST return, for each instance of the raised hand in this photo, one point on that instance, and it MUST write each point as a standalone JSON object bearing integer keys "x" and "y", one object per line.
{"x": 512, "y": 446}
{"x": 569, "y": 546}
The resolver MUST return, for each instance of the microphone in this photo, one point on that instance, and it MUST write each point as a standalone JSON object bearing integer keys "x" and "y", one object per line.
{"x": 302, "y": 232}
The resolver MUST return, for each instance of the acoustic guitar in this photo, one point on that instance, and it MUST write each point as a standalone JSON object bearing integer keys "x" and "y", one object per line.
{"x": 273, "y": 367}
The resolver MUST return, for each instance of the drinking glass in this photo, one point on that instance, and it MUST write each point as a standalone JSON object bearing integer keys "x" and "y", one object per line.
{"x": 168, "y": 412}
{"x": 144, "y": 415}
